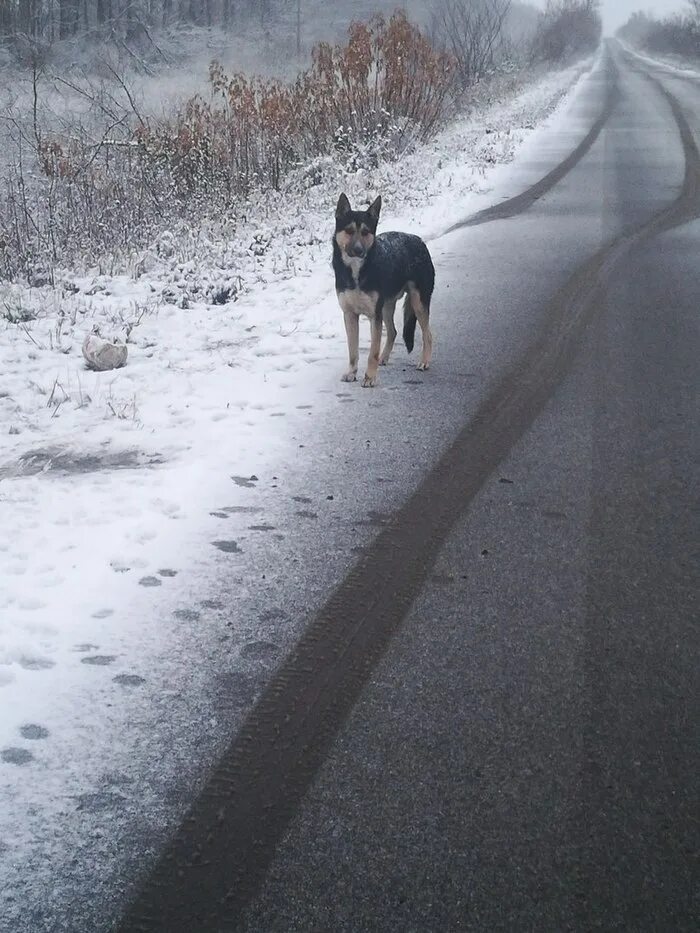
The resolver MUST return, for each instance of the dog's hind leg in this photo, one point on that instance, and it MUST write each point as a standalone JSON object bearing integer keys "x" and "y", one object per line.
{"x": 370, "y": 379}
{"x": 388, "y": 316}
{"x": 352, "y": 329}
{"x": 422, "y": 311}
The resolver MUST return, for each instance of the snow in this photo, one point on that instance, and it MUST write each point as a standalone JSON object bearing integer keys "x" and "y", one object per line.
{"x": 115, "y": 486}
{"x": 678, "y": 65}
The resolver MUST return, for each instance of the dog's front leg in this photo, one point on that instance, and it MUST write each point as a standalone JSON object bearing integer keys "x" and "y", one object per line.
{"x": 370, "y": 379}
{"x": 352, "y": 329}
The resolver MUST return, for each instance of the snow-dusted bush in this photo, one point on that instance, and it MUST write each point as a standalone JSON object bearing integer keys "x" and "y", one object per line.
{"x": 88, "y": 194}
{"x": 385, "y": 89}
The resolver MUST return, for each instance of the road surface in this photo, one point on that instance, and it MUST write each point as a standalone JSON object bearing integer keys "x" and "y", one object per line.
{"x": 492, "y": 722}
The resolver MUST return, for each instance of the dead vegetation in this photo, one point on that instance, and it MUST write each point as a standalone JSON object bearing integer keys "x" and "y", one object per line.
{"x": 76, "y": 192}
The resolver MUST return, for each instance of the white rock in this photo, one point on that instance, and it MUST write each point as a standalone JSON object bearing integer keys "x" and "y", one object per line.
{"x": 101, "y": 354}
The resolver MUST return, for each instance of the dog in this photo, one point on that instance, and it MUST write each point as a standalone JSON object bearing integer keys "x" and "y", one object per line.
{"x": 371, "y": 274}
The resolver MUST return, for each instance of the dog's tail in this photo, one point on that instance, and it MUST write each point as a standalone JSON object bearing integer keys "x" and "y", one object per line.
{"x": 409, "y": 324}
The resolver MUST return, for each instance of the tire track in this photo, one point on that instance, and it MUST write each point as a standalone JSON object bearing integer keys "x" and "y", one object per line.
{"x": 219, "y": 857}
{"x": 522, "y": 202}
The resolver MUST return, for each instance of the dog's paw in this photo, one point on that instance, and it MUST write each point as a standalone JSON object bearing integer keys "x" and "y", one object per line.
{"x": 369, "y": 382}
{"x": 350, "y": 376}
{"x": 383, "y": 362}
{"x": 423, "y": 366}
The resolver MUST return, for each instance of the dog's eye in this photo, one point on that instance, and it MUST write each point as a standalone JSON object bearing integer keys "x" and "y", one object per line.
{"x": 350, "y": 231}
{"x": 365, "y": 231}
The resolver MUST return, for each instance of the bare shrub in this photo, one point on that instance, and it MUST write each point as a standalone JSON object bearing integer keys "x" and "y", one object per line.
{"x": 379, "y": 93}
{"x": 474, "y": 32}
{"x": 567, "y": 28}
{"x": 387, "y": 86}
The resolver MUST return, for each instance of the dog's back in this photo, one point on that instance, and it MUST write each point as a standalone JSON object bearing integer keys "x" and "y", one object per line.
{"x": 396, "y": 260}
{"x": 402, "y": 263}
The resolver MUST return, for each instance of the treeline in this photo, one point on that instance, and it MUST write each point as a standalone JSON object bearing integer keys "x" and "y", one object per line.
{"x": 568, "y": 28}
{"x": 483, "y": 34}
{"x": 61, "y": 19}
{"x": 679, "y": 34}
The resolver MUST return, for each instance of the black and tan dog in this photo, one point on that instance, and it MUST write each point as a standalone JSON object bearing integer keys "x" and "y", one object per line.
{"x": 371, "y": 274}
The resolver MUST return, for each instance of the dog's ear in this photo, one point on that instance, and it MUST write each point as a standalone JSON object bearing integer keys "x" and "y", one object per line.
{"x": 343, "y": 207}
{"x": 374, "y": 209}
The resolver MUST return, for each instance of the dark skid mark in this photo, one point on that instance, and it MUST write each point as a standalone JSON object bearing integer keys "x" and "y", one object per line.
{"x": 214, "y": 865}
{"x": 525, "y": 200}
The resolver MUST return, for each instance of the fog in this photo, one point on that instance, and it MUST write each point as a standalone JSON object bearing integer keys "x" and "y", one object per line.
{"x": 617, "y": 12}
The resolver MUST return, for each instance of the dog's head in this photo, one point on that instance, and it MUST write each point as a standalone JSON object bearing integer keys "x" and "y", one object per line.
{"x": 355, "y": 231}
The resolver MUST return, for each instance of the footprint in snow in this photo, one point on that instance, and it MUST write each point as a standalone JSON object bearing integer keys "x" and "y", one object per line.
{"x": 186, "y": 615}
{"x": 34, "y": 732}
{"x": 259, "y": 650}
{"x": 129, "y": 680}
{"x": 36, "y": 664}
{"x": 246, "y": 482}
{"x": 16, "y": 756}
{"x": 103, "y": 613}
{"x": 99, "y": 660}
{"x": 212, "y": 604}
{"x": 273, "y": 615}
{"x": 228, "y": 547}
{"x": 150, "y": 581}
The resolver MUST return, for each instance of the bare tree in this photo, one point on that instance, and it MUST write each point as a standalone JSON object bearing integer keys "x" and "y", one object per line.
{"x": 473, "y": 31}
{"x": 567, "y": 28}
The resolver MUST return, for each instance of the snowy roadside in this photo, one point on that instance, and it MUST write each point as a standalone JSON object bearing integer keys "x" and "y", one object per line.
{"x": 675, "y": 64}
{"x": 113, "y": 486}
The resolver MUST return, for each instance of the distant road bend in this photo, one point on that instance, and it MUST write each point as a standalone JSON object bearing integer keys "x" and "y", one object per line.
{"x": 491, "y": 724}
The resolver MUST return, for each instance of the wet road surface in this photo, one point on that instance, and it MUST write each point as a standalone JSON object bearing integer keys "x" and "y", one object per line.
{"x": 491, "y": 724}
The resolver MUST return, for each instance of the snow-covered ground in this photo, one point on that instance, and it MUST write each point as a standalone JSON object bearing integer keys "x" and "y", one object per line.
{"x": 675, "y": 63}
{"x": 115, "y": 487}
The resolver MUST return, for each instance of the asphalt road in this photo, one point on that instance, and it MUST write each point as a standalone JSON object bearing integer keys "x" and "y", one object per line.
{"x": 492, "y": 722}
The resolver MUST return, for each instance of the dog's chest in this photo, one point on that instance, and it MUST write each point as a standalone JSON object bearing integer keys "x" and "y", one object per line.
{"x": 356, "y": 301}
